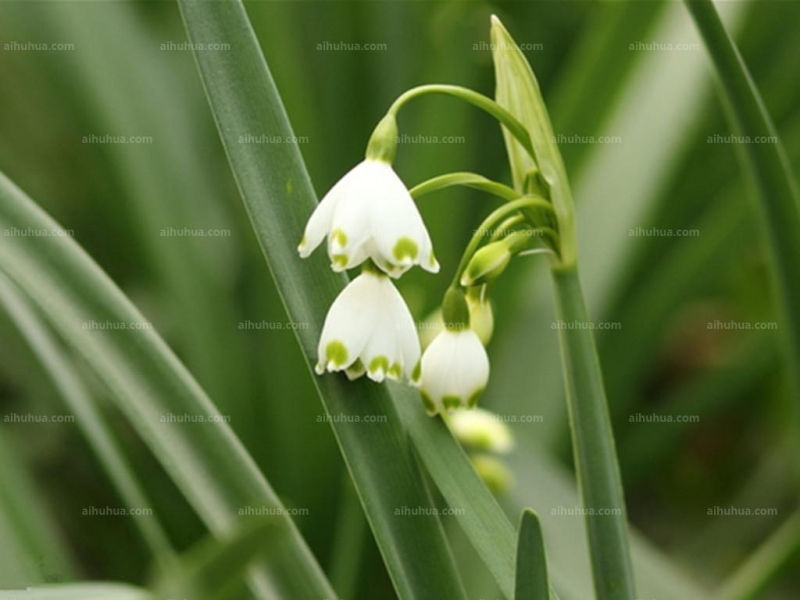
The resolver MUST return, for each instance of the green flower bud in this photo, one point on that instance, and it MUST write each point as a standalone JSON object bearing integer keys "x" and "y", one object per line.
{"x": 481, "y": 430}
{"x": 486, "y": 264}
{"x": 481, "y": 315}
{"x": 494, "y": 473}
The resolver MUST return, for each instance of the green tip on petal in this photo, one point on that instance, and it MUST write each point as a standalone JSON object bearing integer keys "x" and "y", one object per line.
{"x": 340, "y": 261}
{"x": 405, "y": 248}
{"x": 416, "y": 374}
{"x": 473, "y": 400}
{"x": 395, "y": 371}
{"x": 379, "y": 363}
{"x": 430, "y": 407}
{"x": 451, "y": 402}
{"x": 336, "y": 353}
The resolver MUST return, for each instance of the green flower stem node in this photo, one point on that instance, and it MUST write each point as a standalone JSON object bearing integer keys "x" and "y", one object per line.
{"x": 455, "y": 311}
{"x": 383, "y": 143}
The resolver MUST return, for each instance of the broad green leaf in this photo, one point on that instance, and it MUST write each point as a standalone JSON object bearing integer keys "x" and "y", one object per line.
{"x": 78, "y": 591}
{"x": 151, "y": 386}
{"x": 771, "y": 172}
{"x": 531, "y": 578}
{"x": 88, "y": 417}
{"x": 279, "y": 198}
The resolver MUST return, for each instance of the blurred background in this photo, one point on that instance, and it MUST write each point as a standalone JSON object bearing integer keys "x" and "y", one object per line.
{"x": 104, "y": 123}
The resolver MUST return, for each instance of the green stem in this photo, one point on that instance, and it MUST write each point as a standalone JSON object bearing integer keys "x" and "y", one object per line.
{"x": 485, "y": 103}
{"x": 766, "y": 564}
{"x": 777, "y": 190}
{"x": 472, "y": 180}
{"x": 598, "y": 475}
{"x": 489, "y": 222}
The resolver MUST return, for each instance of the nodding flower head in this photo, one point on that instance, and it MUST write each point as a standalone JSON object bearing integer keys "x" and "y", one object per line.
{"x": 369, "y": 214}
{"x": 369, "y": 329}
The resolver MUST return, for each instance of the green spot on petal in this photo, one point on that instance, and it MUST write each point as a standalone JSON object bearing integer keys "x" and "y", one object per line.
{"x": 451, "y": 402}
{"x": 395, "y": 371}
{"x": 379, "y": 363}
{"x": 405, "y": 248}
{"x": 340, "y": 260}
{"x": 339, "y": 236}
{"x": 336, "y": 353}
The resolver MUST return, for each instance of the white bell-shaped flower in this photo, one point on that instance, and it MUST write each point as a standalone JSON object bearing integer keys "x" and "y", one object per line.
{"x": 454, "y": 370}
{"x": 369, "y": 329}
{"x": 369, "y": 214}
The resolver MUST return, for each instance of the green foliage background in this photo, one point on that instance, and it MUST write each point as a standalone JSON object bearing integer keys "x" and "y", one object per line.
{"x": 630, "y": 89}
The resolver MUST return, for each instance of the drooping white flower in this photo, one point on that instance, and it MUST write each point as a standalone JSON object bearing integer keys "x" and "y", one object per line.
{"x": 369, "y": 329}
{"x": 454, "y": 370}
{"x": 369, "y": 214}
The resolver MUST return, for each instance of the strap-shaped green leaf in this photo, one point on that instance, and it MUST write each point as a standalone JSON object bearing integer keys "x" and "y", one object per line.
{"x": 208, "y": 463}
{"x": 279, "y": 198}
{"x": 531, "y": 579}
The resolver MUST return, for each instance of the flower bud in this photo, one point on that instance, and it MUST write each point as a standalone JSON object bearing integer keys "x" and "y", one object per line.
{"x": 494, "y": 473}
{"x": 482, "y": 430}
{"x": 486, "y": 264}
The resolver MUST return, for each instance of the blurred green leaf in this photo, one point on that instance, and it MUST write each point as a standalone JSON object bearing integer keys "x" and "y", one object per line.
{"x": 214, "y": 567}
{"x": 78, "y": 591}
{"x": 88, "y": 416}
{"x": 153, "y": 389}
{"x": 771, "y": 172}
